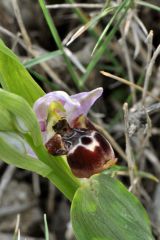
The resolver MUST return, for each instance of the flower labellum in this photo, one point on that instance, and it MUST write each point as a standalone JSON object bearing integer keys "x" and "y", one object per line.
{"x": 68, "y": 131}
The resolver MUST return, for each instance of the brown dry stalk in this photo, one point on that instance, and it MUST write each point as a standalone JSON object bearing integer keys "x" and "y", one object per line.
{"x": 122, "y": 80}
{"x": 130, "y": 160}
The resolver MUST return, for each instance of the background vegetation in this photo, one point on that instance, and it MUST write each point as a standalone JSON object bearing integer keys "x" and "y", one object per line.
{"x": 64, "y": 47}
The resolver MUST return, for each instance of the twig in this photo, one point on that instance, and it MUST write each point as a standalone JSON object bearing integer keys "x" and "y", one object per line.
{"x": 122, "y": 80}
{"x": 128, "y": 148}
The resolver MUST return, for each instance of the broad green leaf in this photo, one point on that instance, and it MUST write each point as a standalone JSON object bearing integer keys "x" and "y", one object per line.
{"x": 15, "y": 78}
{"x": 6, "y": 123}
{"x": 103, "y": 209}
{"x": 22, "y": 115}
{"x": 12, "y": 151}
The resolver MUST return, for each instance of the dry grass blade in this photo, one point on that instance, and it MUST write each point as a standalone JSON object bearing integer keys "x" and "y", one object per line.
{"x": 149, "y": 71}
{"x": 141, "y": 24}
{"x": 20, "y": 23}
{"x": 149, "y": 55}
{"x": 80, "y": 31}
{"x": 76, "y": 5}
{"x": 136, "y": 40}
{"x": 122, "y": 80}
{"x": 75, "y": 60}
{"x": 128, "y": 62}
{"x": 89, "y": 24}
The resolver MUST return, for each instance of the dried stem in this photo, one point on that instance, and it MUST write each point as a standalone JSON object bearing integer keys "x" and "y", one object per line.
{"x": 21, "y": 24}
{"x": 150, "y": 69}
{"x": 149, "y": 54}
{"x": 128, "y": 148}
{"x": 127, "y": 54}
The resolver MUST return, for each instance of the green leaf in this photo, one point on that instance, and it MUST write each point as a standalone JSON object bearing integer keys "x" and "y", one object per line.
{"x": 12, "y": 151}
{"x": 15, "y": 78}
{"x": 6, "y": 123}
{"x": 103, "y": 209}
{"x": 23, "y": 116}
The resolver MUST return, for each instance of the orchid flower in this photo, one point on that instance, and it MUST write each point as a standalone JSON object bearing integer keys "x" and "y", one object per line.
{"x": 67, "y": 131}
{"x": 56, "y": 105}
